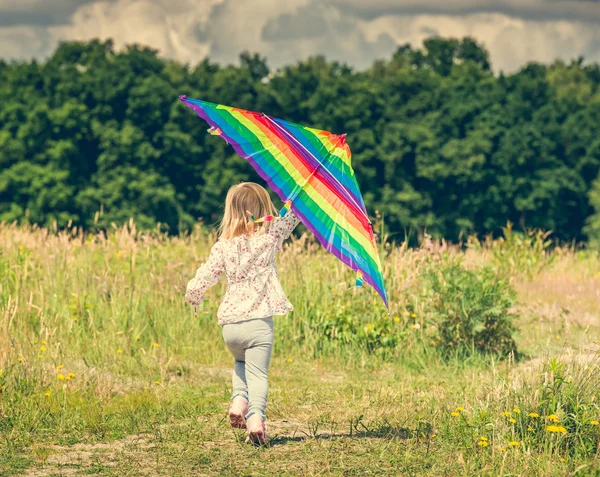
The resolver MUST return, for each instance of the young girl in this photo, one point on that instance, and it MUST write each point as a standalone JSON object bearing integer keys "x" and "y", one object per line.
{"x": 245, "y": 252}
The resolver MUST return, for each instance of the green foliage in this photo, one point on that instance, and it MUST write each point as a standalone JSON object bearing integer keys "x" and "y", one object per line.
{"x": 592, "y": 228}
{"x": 470, "y": 310}
{"x": 440, "y": 143}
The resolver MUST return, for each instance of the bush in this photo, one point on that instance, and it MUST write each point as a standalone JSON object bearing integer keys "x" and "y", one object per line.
{"x": 470, "y": 310}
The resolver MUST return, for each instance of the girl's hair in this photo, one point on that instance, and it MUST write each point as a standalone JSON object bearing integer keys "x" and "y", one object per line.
{"x": 246, "y": 196}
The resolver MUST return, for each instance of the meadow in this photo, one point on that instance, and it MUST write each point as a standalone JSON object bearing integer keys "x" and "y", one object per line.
{"x": 488, "y": 363}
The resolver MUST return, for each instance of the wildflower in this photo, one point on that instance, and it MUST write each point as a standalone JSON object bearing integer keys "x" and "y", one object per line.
{"x": 87, "y": 242}
{"x": 516, "y": 410}
{"x": 19, "y": 359}
{"x": 530, "y": 429}
{"x": 414, "y": 315}
{"x": 40, "y": 356}
{"x": 71, "y": 375}
{"x": 137, "y": 337}
{"x": 156, "y": 345}
{"x": 157, "y": 383}
{"x": 514, "y": 443}
{"x": 60, "y": 377}
{"x": 556, "y": 429}
{"x": 460, "y": 409}
{"x": 501, "y": 449}
{"x": 594, "y": 423}
{"x": 483, "y": 438}
{"x": 553, "y": 418}
{"x": 454, "y": 414}
{"x": 42, "y": 348}
{"x": 67, "y": 378}
{"x": 483, "y": 443}
{"x": 44, "y": 342}
{"x": 534, "y": 415}
{"x": 512, "y": 420}
{"x": 21, "y": 248}
{"x": 433, "y": 436}
{"x": 47, "y": 394}
{"x": 396, "y": 319}
{"x": 505, "y": 414}
{"x": 370, "y": 326}
{"x": 59, "y": 367}
{"x": 120, "y": 351}
{"x": 289, "y": 360}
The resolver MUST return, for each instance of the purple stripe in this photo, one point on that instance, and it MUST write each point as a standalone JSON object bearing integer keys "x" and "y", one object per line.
{"x": 347, "y": 260}
{"x": 307, "y": 155}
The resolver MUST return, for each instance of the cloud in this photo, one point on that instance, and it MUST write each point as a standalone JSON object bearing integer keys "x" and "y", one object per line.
{"x": 353, "y": 31}
{"x": 510, "y": 41}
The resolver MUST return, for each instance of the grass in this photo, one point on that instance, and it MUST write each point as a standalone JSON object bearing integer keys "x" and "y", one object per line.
{"x": 104, "y": 370}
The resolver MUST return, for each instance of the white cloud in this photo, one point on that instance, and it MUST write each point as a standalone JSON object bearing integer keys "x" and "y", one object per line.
{"x": 354, "y": 31}
{"x": 510, "y": 41}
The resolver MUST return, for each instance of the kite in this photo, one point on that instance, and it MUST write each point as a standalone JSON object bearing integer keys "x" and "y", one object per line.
{"x": 311, "y": 172}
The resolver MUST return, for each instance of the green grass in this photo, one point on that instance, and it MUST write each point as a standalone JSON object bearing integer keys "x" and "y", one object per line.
{"x": 149, "y": 382}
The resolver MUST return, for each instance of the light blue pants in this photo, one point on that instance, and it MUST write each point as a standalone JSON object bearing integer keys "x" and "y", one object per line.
{"x": 251, "y": 343}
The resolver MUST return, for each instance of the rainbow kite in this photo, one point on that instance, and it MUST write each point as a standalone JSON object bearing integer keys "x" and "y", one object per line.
{"x": 310, "y": 171}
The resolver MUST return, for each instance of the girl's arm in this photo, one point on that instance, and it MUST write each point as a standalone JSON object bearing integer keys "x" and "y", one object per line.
{"x": 282, "y": 227}
{"x": 207, "y": 275}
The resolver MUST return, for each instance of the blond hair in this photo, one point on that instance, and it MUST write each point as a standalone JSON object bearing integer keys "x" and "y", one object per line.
{"x": 246, "y": 196}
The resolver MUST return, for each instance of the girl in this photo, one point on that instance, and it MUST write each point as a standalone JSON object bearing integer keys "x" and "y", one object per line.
{"x": 245, "y": 252}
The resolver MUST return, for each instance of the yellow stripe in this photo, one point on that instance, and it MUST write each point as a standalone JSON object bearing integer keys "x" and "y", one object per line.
{"x": 309, "y": 189}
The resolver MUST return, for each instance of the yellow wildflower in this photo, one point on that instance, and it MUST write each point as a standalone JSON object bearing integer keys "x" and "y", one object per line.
{"x": 516, "y": 410}
{"x": 67, "y": 378}
{"x": 535, "y": 415}
{"x": 59, "y": 367}
{"x": 460, "y": 409}
{"x": 530, "y": 429}
{"x": 433, "y": 436}
{"x": 21, "y": 248}
{"x": 40, "y": 356}
{"x": 396, "y": 319}
{"x": 414, "y": 315}
{"x": 120, "y": 351}
{"x": 483, "y": 443}
{"x": 370, "y": 326}
{"x": 514, "y": 443}
{"x": 87, "y": 242}
{"x": 483, "y": 438}
{"x": 512, "y": 420}
{"x": 137, "y": 337}
{"x": 156, "y": 345}
{"x": 505, "y": 414}
{"x": 47, "y": 394}
{"x": 71, "y": 375}
{"x": 19, "y": 359}
{"x": 501, "y": 449}
{"x": 289, "y": 360}
{"x": 60, "y": 377}
{"x": 556, "y": 429}
{"x": 553, "y": 418}
{"x": 44, "y": 342}
{"x": 454, "y": 414}
{"x": 42, "y": 348}
{"x": 594, "y": 423}
{"x": 157, "y": 382}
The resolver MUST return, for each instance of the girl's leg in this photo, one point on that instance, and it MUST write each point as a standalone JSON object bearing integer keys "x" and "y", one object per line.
{"x": 233, "y": 337}
{"x": 258, "y": 358}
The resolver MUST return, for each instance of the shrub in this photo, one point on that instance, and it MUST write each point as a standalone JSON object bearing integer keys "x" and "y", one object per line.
{"x": 470, "y": 310}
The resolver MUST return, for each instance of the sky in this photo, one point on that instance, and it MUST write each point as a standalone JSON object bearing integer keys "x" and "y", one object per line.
{"x": 353, "y": 31}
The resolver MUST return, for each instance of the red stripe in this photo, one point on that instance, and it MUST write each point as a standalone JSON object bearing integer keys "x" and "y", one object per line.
{"x": 358, "y": 214}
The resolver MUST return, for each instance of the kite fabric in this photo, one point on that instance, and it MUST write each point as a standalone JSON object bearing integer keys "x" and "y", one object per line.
{"x": 310, "y": 170}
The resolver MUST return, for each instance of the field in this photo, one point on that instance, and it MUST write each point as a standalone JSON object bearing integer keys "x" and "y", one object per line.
{"x": 104, "y": 370}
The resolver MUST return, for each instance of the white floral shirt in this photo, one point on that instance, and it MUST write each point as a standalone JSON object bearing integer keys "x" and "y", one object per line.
{"x": 253, "y": 288}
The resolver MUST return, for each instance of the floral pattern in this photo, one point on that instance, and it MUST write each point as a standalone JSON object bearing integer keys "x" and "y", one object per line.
{"x": 253, "y": 288}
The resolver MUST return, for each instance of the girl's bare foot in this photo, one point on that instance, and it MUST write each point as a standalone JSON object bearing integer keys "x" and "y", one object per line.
{"x": 257, "y": 432}
{"x": 237, "y": 410}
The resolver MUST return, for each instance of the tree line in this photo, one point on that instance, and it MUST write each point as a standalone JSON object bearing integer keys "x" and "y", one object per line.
{"x": 440, "y": 143}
